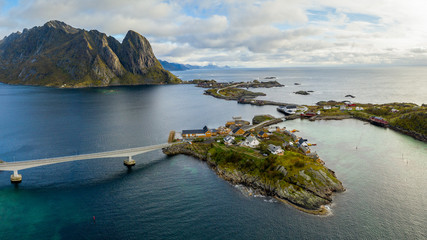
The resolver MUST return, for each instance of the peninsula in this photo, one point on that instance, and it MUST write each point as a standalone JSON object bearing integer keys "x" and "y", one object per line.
{"x": 59, "y": 55}
{"x": 407, "y": 118}
{"x": 271, "y": 161}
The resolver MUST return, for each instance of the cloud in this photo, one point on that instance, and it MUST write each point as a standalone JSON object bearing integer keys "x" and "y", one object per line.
{"x": 254, "y": 33}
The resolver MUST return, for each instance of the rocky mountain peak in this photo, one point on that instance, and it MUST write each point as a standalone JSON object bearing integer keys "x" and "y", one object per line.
{"x": 137, "y": 54}
{"x": 60, "y": 55}
{"x": 55, "y": 24}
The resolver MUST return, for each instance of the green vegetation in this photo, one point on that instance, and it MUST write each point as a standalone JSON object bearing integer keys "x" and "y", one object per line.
{"x": 261, "y": 118}
{"x": 292, "y": 176}
{"x": 232, "y": 93}
{"x": 416, "y": 122}
{"x": 406, "y": 117}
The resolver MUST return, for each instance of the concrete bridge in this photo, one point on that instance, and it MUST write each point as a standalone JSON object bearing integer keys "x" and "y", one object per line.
{"x": 129, "y": 153}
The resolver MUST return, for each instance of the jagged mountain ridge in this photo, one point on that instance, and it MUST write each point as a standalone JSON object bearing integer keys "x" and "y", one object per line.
{"x": 170, "y": 66}
{"x": 59, "y": 55}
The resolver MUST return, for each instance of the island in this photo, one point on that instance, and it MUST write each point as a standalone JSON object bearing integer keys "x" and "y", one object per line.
{"x": 233, "y": 91}
{"x": 271, "y": 161}
{"x": 303, "y": 92}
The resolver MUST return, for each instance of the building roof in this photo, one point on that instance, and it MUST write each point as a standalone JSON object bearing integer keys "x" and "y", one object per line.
{"x": 251, "y": 138}
{"x": 197, "y": 131}
{"x": 228, "y": 138}
{"x": 236, "y": 129}
{"x": 274, "y": 148}
{"x": 193, "y": 131}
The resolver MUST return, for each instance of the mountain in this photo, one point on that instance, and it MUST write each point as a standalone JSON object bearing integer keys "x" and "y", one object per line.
{"x": 182, "y": 67}
{"x": 59, "y": 55}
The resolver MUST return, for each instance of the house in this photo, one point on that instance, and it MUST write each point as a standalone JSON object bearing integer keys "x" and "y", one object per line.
{"x": 205, "y": 132}
{"x": 251, "y": 141}
{"x": 343, "y": 107}
{"x": 238, "y": 131}
{"x": 228, "y": 140}
{"x": 276, "y": 150}
{"x": 302, "y": 142}
{"x": 230, "y": 123}
{"x": 327, "y": 107}
{"x": 305, "y": 149}
{"x": 294, "y": 137}
{"x": 223, "y": 130}
{"x": 262, "y": 134}
{"x": 214, "y": 132}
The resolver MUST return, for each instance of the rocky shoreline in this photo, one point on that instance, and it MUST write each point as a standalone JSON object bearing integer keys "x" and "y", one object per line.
{"x": 306, "y": 198}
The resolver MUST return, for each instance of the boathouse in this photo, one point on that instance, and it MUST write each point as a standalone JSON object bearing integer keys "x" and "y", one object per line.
{"x": 205, "y": 132}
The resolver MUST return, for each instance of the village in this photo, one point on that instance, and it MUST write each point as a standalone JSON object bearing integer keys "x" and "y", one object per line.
{"x": 261, "y": 137}
{"x": 263, "y": 156}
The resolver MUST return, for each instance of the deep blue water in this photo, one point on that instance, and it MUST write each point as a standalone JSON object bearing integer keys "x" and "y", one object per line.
{"x": 180, "y": 197}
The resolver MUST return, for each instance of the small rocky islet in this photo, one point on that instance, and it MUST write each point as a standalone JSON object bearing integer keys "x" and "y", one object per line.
{"x": 274, "y": 163}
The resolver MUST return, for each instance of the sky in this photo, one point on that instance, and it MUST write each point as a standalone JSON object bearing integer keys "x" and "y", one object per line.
{"x": 249, "y": 33}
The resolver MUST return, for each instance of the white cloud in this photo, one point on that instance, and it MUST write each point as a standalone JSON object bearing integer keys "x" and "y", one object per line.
{"x": 248, "y": 33}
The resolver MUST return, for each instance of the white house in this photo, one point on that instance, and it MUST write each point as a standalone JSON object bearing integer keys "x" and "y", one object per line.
{"x": 251, "y": 141}
{"x": 277, "y": 150}
{"x": 228, "y": 140}
{"x": 327, "y": 107}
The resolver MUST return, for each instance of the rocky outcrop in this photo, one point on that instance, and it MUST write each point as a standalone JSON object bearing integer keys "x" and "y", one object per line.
{"x": 309, "y": 190}
{"x": 59, "y": 55}
{"x": 416, "y": 135}
{"x": 183, "y": 149}
{"x": 303, "y": 92}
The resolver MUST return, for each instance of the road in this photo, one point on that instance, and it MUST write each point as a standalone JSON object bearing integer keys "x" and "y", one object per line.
{"x": 15, "y": 166}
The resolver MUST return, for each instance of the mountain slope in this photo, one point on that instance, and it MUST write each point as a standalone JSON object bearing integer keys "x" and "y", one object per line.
{"x": 182, "y": 67}
{"x": 59, "y": 55}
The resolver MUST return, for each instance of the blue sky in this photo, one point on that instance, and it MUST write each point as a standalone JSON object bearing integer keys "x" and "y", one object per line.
{"x": 250, "y": 33}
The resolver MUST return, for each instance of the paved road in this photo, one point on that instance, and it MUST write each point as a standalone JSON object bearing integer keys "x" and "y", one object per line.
{"x": 266, "y": 123}
{"x": 14, "y": 166}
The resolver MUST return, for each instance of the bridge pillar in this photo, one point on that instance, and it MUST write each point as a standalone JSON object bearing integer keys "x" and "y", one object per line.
{"x": 15, "y": 177}
{"x": 130, "y": 162}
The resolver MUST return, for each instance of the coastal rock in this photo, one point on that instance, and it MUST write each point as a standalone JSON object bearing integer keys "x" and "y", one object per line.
{"x": 182, "y": 149}
{"x": 309, "y": 190}
{"x": 303, "y": 92}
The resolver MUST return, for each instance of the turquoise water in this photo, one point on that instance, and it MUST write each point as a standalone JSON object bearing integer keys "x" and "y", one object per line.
{"x": 180, "y": 197}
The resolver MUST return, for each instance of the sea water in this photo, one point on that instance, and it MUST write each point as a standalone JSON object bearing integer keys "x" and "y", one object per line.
{"x": 179, "y": 197}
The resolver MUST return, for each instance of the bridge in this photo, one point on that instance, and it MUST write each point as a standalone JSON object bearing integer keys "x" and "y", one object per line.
{"x": 129, "y": 153}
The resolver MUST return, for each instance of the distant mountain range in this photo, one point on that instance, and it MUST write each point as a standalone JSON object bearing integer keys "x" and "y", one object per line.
{"x": 182, "y": 67}
{"x": 59, "y": 55}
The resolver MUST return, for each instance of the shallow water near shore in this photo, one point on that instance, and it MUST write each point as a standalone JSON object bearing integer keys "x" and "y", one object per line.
{"x": 179, "y": 197}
